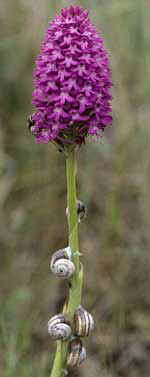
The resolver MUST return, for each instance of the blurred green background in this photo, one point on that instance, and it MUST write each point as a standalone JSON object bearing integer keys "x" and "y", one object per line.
{"x": 114, "y": 182}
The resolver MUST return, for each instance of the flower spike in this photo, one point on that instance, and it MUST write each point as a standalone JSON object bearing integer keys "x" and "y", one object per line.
{"x": 72, "y": 81}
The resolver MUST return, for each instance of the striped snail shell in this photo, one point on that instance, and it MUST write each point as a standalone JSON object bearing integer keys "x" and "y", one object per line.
{"x": 59, "y": 328}
{"x": 83, "y": 322}
{"x": 61, "y": 264}
{"x": 76, "y": 353}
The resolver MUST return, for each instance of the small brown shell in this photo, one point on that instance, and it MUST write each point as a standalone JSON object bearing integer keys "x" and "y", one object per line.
{"x": 83, "y": 322}
{"x": 59, "y": 328}
{"x": 30, "y": 123}
{"x": 76, "y": 353}
{"x": 81, "y": 210}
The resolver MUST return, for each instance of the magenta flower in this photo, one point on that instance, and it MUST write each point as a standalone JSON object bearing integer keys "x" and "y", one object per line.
{"x": 72, "y": 81}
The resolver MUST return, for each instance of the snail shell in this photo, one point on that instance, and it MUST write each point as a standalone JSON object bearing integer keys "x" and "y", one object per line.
{"x": 61, "y": 264}
{"x": 59, "y": 328}
{"x": 63, "y": 268}
{"x": 30, "y": 123}
{"x": 76, "y": 353}
{"x": 83, "y": 322}
{"x": 81, "y": 210}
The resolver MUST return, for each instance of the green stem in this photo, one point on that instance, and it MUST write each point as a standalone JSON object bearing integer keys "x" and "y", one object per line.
{"x": 76, "y": 284}
{"x": 75, "y": 289}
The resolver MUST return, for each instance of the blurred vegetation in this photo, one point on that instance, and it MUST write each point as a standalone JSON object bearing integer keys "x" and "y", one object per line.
{"x": 113, "y": 180}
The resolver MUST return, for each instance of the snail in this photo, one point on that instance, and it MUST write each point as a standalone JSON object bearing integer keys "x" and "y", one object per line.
{"x": 59, "y": 328}
{"x": 83, "y": 322}
{"x": 30, "y": 123}
{"x": 61, "y": 264}
{"x": 76, "y": 353}
{"x": 81, "y": 210}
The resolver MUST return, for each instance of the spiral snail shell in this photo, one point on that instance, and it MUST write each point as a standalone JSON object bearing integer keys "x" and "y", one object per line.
{"x": 83, "y": 322}
{"x": 76, "y": 353}
{"x": 59, "y": 328}
{"x": 61, "y": 264}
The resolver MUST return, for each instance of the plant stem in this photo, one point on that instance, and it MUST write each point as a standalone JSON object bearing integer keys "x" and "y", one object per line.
{"x": 76, "y": 282}
{"x": 75, "y": 289}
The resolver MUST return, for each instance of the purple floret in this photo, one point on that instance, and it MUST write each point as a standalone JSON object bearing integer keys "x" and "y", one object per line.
{"x": 72, "y": 81}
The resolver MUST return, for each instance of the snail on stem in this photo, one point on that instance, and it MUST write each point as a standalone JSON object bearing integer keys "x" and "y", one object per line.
{"x": 61, "y": 264}
{"x": 83, "y": 322}
{"x": 59, "y": 328}
{"x": 76, "y": 353}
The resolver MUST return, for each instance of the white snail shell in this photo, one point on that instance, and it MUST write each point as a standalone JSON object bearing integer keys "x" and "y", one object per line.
{"x": 61, "y": 264}
{"x": 83, "y": 322}
{"x": 58, "y": 328}
{"x": 76, "y": 353}
{"x": 63, "y": 268}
